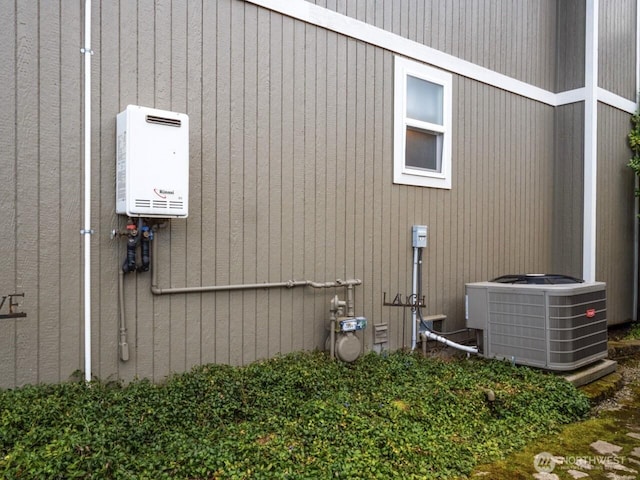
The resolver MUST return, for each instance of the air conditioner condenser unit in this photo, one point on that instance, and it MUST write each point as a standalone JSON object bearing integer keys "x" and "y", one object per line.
{"x": 552, "y": 322}
{"x": 152, "y": 167}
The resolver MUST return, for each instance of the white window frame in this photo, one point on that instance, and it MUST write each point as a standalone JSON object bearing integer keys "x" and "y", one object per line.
{"x": 403, "y": 174}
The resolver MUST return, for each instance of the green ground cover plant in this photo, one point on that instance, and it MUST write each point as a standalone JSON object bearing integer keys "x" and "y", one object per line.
{"x": 295, "y": 416}
{"x": 634, "y": 332}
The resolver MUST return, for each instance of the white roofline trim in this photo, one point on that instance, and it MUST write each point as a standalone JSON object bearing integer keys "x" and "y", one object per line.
{"x": 372, "y": 35}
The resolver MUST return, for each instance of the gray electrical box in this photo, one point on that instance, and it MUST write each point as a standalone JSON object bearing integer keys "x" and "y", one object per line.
{"x": 419, "y": 236}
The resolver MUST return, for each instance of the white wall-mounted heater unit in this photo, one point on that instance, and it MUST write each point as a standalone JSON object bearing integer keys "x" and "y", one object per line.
{"x": 152, "y": 172}
{"x": 553, "y": 322}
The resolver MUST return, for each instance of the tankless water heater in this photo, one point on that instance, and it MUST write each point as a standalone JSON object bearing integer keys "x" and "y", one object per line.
{"x": 152, "y": 172}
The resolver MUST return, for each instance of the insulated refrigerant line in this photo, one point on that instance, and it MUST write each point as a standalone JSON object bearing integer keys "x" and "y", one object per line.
{"x": 427, "y": 333}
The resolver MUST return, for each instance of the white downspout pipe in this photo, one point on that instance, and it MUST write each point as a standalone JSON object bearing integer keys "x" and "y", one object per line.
{"x": 86, "y": 231}
{"x": 636, "y": 227}
{"x": 636, "y": 257}
{"x": 590, "y": 142}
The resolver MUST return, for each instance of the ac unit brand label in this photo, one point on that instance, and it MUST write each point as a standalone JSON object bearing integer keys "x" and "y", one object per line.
{"x": 591, "y": 313}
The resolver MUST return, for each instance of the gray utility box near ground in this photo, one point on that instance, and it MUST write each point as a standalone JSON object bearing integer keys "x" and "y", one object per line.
{"x": 555, "y": 327}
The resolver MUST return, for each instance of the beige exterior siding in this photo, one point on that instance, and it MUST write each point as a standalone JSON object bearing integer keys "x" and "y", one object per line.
{"x": 617, "y": 47}
{"x": 615, "y": 214}
{"x": 517, "y": 39}
{"x": 291, "y": 151}
{"x": 571, "y": 44}
{"x": 568, "y": 191}
{"x": 8, "y": 192}
{"x": 40, "y": 194}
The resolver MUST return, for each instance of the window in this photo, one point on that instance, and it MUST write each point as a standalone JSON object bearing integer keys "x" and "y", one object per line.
{"x": 422, "y": 125}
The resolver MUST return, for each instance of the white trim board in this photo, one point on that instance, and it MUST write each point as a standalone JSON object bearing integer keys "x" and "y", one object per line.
{"x": 372, "y": 35}
{"x": 616, "y": 101}
{"x": 590, "y": 142}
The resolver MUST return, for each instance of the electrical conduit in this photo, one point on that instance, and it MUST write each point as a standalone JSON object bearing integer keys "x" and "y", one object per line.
{"x": 414, "y": 294}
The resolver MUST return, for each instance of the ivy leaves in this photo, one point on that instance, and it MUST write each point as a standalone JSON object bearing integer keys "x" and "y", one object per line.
{"x": 296, "y": 416}
{"x": 633, "y": 139}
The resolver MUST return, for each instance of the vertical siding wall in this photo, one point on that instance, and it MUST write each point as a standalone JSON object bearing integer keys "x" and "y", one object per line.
{"x": 515, "y": 38}
{"x": 570, "y": 45}
{"x": 291, "y": 151}
{"x": 615, "y": 215}
{"x": 617, "y": 47}
{"x": 568, "y": 193}
{"x": 290, "y": 177}
{"x": 40, "y": 212}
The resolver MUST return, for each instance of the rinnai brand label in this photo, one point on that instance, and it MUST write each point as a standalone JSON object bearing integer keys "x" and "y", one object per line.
{"x": 163, "y": 193}
{"x": 591, "y": 313}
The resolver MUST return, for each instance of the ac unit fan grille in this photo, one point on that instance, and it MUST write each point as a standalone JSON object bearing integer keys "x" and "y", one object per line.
{"x": 558, "y": 326}
{"x": 567, "y": 358}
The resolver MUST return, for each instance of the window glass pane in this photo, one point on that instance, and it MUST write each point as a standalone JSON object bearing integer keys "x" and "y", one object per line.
{"x": 424, "y": 150}
{"x": 424, "y": 100}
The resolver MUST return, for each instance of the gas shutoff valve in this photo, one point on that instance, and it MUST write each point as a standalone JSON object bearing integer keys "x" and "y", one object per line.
{"x": 147, "y": 236}
{"x": 129, "y": 264}
{"x": 137, "y": 234}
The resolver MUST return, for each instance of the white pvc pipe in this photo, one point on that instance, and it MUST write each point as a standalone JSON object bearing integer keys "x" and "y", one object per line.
{"x": 636, "y": 235}
{"x": 86, "y": 231}
{"x": 449, "y": 343}
{"x": 636, "y": 229}
{"x": 414, "y": 293}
